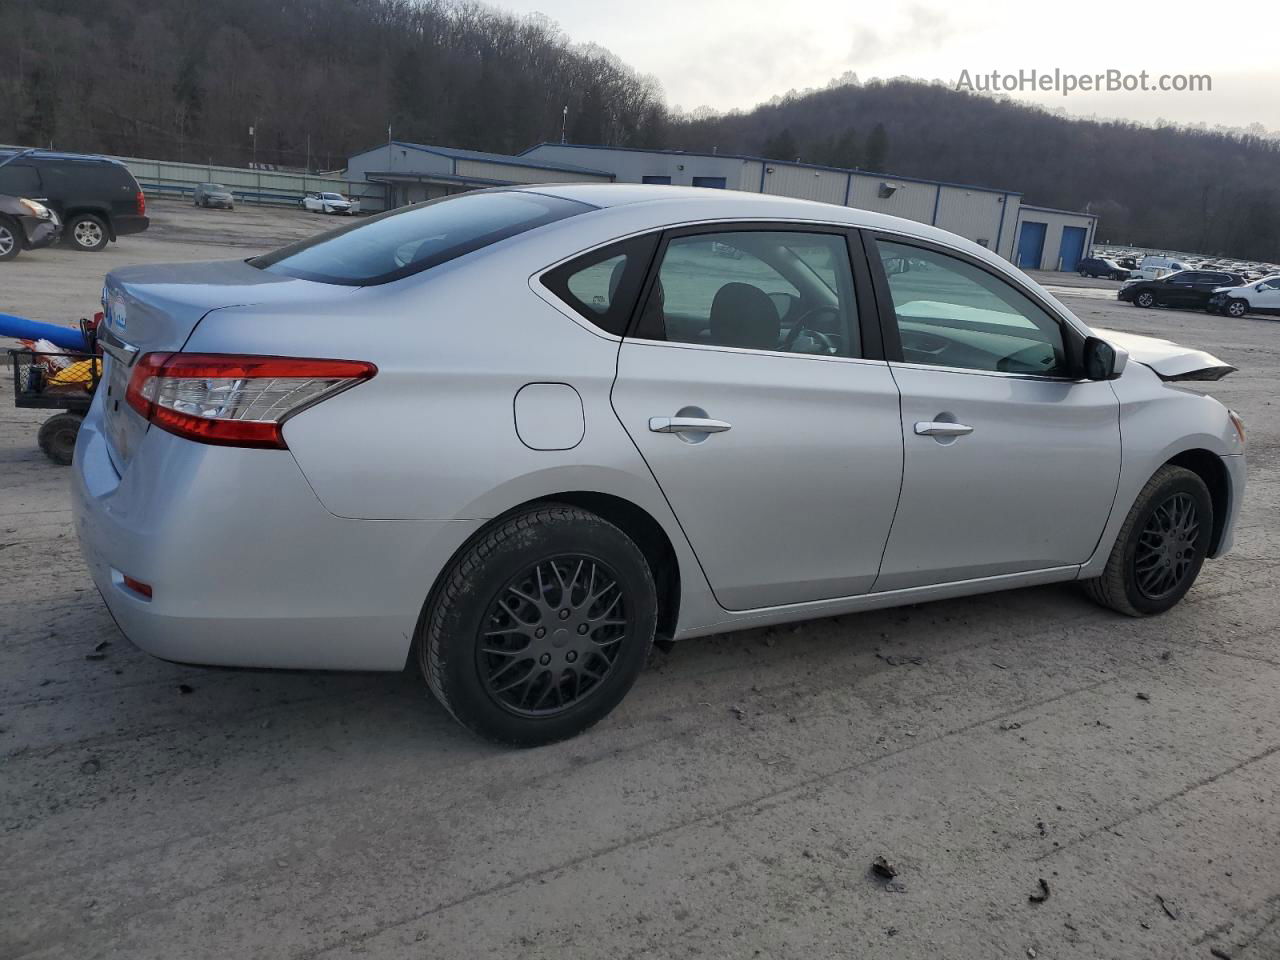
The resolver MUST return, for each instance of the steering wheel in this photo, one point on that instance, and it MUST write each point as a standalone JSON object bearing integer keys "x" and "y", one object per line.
{"x": 801, "y": 323}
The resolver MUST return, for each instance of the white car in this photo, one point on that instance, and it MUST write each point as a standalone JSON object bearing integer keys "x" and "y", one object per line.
{"x": 1153, "y": 268}
{"x": 330, "y": 203}
{"x": 1256, "y": 296}
{"x": 516, "y": 435}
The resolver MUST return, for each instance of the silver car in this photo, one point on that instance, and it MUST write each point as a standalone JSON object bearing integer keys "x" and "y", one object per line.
{"x": 213, "y": 195}
{"x": 518, "y": 435}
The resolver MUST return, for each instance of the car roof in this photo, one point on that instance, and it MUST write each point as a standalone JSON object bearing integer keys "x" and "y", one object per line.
{"x": 673, "y": 205}
{"x": 55, "y": 156}
{"x": 708, "y": 203}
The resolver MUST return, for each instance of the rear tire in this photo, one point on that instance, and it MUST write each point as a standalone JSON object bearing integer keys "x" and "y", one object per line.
{"x": 87, "y": 232}
{"x": 57, "y": 437}
{"x": 1160, "y": 548}
{"x": 540, "y": 627}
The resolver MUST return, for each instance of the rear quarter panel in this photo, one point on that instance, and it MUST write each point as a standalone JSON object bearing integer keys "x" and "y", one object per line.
{"x": 433, "y": 435}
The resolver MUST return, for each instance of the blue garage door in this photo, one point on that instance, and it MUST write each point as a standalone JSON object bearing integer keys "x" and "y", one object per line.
{"x": 717, "y": 182}
{"x": 655, "y": 179}
{"x": 1031, "y": 244}
{"x": 1072, "y": 248}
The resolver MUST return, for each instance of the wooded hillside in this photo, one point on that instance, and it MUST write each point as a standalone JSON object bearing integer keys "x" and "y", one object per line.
{"x": 320, "y": 79}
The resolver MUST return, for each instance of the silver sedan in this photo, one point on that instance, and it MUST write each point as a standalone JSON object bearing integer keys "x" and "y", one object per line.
{"x": 519, "y": 435}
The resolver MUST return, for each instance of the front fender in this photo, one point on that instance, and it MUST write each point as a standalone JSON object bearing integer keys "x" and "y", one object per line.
{"x": 1159, "y": 422}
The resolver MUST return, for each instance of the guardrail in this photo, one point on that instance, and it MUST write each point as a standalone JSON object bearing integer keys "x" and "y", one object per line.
{"x": 163, "y": 178}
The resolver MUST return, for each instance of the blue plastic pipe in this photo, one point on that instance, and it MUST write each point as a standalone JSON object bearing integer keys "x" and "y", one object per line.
{"x": 20, "y": 328}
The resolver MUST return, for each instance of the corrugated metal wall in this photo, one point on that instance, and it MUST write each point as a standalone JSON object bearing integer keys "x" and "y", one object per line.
{"x": 971, "y": 213}
{"x": 804, "y": 183}
{"x": 519, "y": 174}
{"x": 914, "y": 201}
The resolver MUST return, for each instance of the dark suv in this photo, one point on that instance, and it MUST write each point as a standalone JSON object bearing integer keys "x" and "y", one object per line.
{"x": 97, "y": 199}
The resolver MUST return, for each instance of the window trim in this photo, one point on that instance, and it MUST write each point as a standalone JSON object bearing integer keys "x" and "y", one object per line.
{"x": 868, "y": 321}
{"x": 1073, "y": 337}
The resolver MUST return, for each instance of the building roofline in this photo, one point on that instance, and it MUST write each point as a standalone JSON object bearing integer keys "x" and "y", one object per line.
{"x": 1070, "y": 213}
{"x": 378, "y": 176}
{"x": 512, "y": 161}
{"x": 788, "y": 163}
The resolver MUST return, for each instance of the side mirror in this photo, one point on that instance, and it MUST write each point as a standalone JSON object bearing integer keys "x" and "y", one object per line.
{"x": 1102, "y": 361}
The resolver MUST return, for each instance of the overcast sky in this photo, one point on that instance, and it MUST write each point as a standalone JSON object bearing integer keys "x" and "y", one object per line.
{"x": 737, "y": 53}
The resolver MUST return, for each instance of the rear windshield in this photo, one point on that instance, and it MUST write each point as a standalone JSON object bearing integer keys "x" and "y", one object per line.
{"x": 405, "y": 241}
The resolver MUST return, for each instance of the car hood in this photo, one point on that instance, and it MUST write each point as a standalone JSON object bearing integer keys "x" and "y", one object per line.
{"x": 1170, "y": 361}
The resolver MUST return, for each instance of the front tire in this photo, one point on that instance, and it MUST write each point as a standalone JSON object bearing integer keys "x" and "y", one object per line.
{"x": 10, "y": 239}
{"x": 1237, "y": 308}
{"x": 1145, "y": 299}
{"x": 540, "y": 626}
{"x": 1160, "y": 548}
{"x": 87, "y": 233}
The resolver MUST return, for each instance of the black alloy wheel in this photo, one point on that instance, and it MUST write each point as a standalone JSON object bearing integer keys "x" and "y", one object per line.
{"x": 552, "y": 636}
{"x": 1167, "y": 547}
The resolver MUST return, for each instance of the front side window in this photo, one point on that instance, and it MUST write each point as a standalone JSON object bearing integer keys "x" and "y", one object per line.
{"x": 953, "y": 314}
{"x": 784, "y": 291}
{"x": 410, "y": 239}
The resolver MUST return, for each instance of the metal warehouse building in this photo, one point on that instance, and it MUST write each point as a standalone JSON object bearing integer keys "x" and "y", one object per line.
{"x": 1034, "y": 238}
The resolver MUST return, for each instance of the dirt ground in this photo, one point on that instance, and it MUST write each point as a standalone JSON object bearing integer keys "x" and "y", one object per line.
{"x": 731, "y": 807}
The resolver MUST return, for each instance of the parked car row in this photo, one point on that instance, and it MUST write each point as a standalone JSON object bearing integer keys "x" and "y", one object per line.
{"x": 1215, "y": 291}
{"x": 1251, "y": 270}
{"x": 96, "y": 200}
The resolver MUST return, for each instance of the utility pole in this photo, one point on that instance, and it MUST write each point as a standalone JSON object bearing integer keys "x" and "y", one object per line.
{"x": 253, "y": 132}
{"x": 564, "y": 122}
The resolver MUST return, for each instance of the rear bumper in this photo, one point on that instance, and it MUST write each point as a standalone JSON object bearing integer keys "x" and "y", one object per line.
{"x": 127, "y": 223}
{"x": 246, "y": 567}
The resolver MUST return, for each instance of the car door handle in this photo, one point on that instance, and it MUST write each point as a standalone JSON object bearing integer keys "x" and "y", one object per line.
{"x": 941, "y": 428}
{"x": 687, "y": 425}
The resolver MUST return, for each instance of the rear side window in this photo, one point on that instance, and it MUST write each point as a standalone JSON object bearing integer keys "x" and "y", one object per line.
{"x": 602, "y": 285}
{"x": 87, "y": 179}
{"x": 19, "y": 180}
{"x": 411, "y": 239}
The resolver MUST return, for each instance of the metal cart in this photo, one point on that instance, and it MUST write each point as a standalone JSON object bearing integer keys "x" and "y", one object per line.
{"x": 63, "y": 381}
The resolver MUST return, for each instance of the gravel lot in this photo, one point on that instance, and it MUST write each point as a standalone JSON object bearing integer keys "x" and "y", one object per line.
{"x": 730, "y": 808}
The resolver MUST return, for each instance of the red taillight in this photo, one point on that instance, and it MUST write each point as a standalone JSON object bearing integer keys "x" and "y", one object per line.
{"x": 142, "y": 204}
{"x": 137, "y": 586}
{"x": 234, "y": 400}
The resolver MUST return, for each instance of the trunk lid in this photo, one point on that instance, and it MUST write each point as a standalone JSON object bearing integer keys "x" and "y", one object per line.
{"x": 1170, "y": 361}
{"x": 155, "y": 308}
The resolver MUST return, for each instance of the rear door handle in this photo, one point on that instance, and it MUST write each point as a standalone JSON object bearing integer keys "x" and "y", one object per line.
{"x": 941, "y": 428}
{"x": 687, "y": 425}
